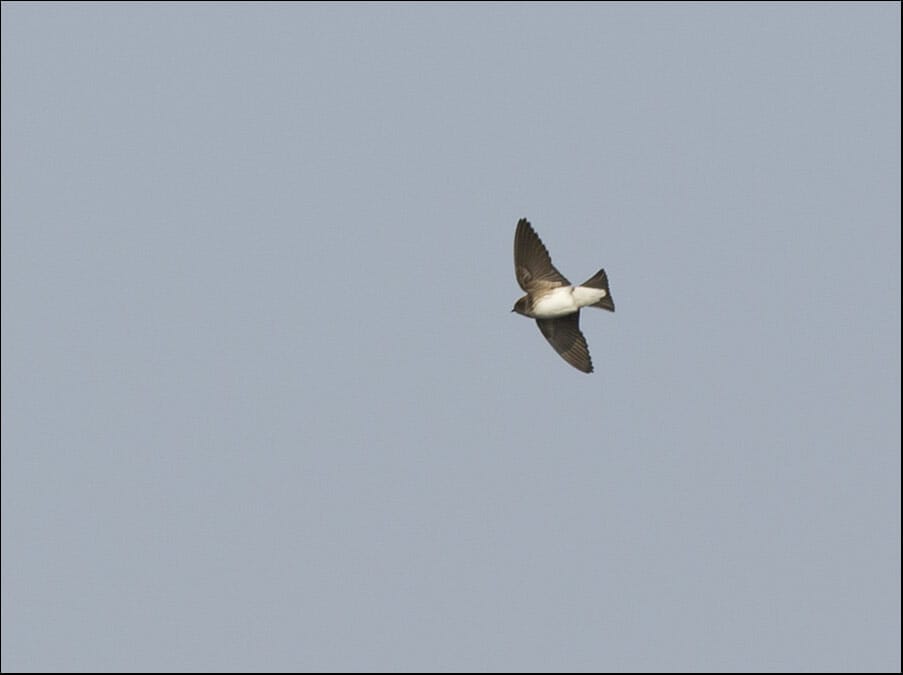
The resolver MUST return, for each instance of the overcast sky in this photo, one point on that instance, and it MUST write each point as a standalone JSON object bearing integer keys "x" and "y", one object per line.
{"x": 264, "y": 403}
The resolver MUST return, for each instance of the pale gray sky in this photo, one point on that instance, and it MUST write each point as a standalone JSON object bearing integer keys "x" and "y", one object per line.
{"x": 265, "y": 407}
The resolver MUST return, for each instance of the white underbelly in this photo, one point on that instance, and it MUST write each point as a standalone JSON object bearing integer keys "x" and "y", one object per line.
{"x": 559, "y": 302}
{"x": 584, "y": 295}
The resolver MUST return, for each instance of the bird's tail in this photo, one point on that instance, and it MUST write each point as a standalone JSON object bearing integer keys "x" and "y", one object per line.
{"x": 599, "y": 281}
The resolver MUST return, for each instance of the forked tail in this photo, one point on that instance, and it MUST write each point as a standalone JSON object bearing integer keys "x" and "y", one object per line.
{"x": 600, "y": 281}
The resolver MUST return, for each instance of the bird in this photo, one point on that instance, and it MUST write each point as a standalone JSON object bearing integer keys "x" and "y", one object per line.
{"x": 552, "y": 300}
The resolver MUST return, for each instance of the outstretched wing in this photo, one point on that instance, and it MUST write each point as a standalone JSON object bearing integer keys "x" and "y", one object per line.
{"x": 564, "y": 335}
{"x": 532, "y": 264}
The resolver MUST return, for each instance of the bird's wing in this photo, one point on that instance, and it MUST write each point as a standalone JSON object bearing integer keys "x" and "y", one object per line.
{"x": 564, "y": 335}
{"x": 532, "y": 264}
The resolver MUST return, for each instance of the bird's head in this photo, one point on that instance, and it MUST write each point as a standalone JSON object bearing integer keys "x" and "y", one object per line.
{"x": 521, "y": 306}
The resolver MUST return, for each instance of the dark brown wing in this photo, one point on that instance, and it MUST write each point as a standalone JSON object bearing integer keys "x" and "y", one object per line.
{"x": 532, "y": 264}
{"x": 565, "y": 336}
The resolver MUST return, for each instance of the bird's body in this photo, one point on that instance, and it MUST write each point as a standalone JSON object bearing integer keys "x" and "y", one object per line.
{"x": 552, "y": 300}
{"x": 564, "y": 300}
